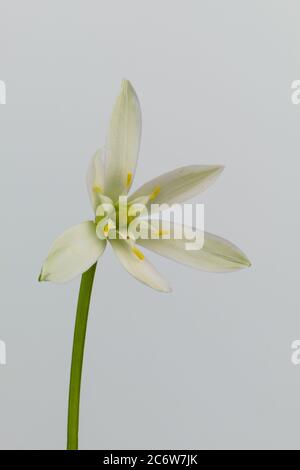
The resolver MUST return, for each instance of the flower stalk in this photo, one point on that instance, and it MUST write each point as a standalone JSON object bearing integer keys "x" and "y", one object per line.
{"x": 82, "y": 313}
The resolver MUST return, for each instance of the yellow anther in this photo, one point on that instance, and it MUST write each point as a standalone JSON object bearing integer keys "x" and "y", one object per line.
{"x": 129, "y": 179}
{"x": 154, "y": 193}
{"x": 97, "y": 188}
{"x": 106, "y": 230}
{"x": 161, "y": 233}
{"x": 138, "y": 253}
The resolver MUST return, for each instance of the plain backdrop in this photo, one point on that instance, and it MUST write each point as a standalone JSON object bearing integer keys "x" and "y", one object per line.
{"x": 208, "y": 366}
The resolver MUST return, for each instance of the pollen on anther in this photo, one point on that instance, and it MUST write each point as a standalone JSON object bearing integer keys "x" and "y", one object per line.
{"x": 138, "y": 253}
{"x": 129, "y": 179}
{"x": 106, "y": 230}
{"x": 154, "y": 193}
{"x": 97, "y": 188}
{"x": 161, "y": 233}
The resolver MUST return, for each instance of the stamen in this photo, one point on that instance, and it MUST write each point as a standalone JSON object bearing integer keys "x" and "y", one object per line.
{"x": 161, "y": 233}
{"x": 106, "y": 230}
{"x": 129, "y": 179}
{"x": 97, "y": 188}
{"x": 138, "y": 253}
{"x": 154, "y": 193}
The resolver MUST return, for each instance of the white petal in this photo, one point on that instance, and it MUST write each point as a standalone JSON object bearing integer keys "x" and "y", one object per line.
{"x": 123, "y": 142}
{"x": 138, "y": 266}
{"x": 73, "y": 253}
{"x": 179, "y": 185}
{"x": 95, "y": 178}
{"x": 216, "y": 254}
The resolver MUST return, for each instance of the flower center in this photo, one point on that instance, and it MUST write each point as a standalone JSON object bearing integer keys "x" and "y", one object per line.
{"x": 117, "y": 220}
{"x": 125, "y": 220}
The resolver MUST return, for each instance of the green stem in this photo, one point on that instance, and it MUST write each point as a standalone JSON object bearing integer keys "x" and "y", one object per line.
{"x": 77, "y": 355}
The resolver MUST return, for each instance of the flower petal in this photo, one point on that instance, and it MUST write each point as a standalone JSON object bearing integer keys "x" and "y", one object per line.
{"x": 95, "y": 178}
{"x": 123, "y": 142}
{"x": 179, "y": 185}
{"x": 138, "y": 266}
{"x": 216, "y": 254}
{"x": 73, "y": 253}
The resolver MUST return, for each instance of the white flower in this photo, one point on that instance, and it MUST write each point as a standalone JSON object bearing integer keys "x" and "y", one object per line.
{"x": 110, "y": 175}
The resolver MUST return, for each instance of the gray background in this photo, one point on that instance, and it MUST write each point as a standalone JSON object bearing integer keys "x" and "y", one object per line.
{"x": 209, "y": 365}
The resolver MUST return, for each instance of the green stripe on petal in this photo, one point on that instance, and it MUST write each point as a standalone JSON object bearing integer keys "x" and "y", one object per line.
{"x": 123, "y": 142}
{"x": 216, "y": 254}
{"x": 73, "y": 253}
{"x": 179, "y": 185}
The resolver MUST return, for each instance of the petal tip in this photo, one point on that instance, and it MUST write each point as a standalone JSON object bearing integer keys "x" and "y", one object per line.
{"x": 126, "y": 86}
{"x": 245, "y": 262}
{"x": 42, "y": 276}
{"x": 128, "y": 90}
{"x": 218, "y": 169}
{"x": 167, "y": 290}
